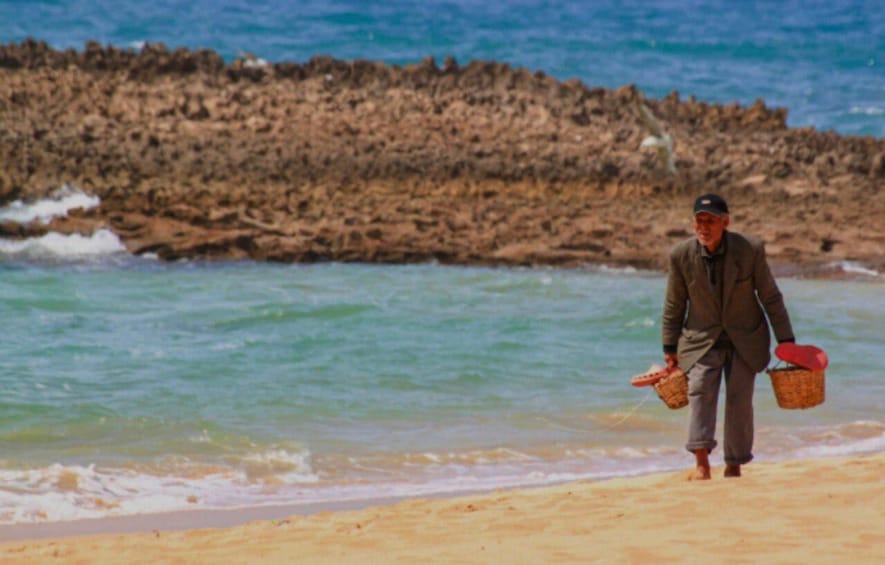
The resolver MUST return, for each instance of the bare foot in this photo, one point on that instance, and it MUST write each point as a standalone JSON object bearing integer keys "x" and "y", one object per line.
{"x": 732, "y": 471}
{"x": 702, "y": 468}
{"x": 700, "y": 474}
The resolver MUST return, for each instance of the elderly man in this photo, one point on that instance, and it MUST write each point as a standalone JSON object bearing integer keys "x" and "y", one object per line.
{"x": 719, "y": 291}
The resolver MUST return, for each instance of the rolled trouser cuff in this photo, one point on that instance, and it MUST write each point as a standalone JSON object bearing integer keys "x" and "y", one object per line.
{"x": 709, "y": 445}
{"x": 738, "y": 460}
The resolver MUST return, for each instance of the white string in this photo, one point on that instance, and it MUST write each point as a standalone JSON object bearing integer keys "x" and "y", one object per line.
{"x": 631, "y": 412}
{"x": 626, "y": 417}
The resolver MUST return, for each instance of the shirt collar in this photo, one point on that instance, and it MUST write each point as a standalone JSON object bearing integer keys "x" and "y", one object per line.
{"x": 720, "y": 251}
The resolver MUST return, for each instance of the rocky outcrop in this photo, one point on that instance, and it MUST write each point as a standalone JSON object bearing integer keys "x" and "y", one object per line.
{"x": 362, "y": 161}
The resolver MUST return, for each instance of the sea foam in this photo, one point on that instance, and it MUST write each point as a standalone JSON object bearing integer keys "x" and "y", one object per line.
{"x": 60, "y": 492}
{"x": 62, "y": 201}
{"x": 55, "y": 245}
{"x": 858, "y": 269}
{"x": 868, "y": 110}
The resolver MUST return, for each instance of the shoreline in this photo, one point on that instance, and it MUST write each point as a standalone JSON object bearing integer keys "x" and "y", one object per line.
{"x": 222, "y": 518}
{"x": 180, "y": 520}
{"x": 820, "y": 508}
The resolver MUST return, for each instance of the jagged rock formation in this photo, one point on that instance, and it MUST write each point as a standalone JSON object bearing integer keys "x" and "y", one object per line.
{"x": 363, "y": 161}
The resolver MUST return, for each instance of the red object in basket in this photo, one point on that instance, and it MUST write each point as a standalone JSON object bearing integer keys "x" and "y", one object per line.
{"x": 807, "y": 356}
{"x": 650, "y": 377}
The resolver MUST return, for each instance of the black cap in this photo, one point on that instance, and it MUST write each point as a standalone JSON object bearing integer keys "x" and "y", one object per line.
{"x": 712, "y": 204}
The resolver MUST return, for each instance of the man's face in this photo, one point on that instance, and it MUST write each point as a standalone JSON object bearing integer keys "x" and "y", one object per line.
{"x": 709, "y": 229}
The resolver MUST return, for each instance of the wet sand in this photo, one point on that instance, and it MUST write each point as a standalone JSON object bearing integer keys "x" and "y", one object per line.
{"x": 478, "y": 163}
{"x": 812, "y": 511}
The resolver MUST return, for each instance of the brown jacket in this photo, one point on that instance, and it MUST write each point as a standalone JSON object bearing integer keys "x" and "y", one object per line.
{"x": 693, "y": 318}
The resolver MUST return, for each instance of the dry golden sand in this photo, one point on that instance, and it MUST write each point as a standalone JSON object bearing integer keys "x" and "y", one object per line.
{"x": 813, "y": 511}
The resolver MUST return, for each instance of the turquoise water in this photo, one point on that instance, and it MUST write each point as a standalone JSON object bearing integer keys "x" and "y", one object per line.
{"x": 820, "y": 59}
{"x": 133, "y": 386}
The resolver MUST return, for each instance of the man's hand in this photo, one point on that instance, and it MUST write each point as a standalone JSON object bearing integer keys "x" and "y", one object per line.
{"x": 671, "y": 360}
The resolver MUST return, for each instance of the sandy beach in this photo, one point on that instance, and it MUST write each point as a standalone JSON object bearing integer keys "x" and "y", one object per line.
{"x": 364, "y": 282}
{"x": 811, "y": 511}
{"x": 467, "y": 164}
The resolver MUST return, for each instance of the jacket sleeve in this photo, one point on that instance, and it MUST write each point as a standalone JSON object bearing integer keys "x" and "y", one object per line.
{"x": 771, "y": 298}
{"x": 675, "y": 301}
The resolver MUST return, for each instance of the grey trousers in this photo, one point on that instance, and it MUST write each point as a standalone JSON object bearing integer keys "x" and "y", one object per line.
{"x": 703, "y": 395}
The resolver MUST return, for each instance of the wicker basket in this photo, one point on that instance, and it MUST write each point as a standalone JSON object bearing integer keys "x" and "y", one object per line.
{"x": 797, "y": 387}
{"x": 673, "y": 389}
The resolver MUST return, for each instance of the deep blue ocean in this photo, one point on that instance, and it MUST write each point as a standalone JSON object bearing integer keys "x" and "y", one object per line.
{"x": 131, "y": 386}
{"x": 823, "y": 60}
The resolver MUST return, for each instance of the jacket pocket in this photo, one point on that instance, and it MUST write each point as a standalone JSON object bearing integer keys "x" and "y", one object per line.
{"x": 693, "y": 335}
